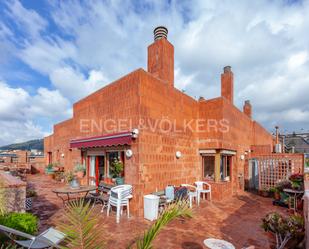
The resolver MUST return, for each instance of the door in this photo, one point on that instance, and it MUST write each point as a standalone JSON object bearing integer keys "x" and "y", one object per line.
{"x": 253, "y": 174}
{"x": 101, "y": 168}
{"x": 92, "y": 171}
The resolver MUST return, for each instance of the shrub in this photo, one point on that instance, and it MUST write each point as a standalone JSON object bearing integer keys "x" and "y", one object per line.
{"x": 283, "y": 184}
{"x": 116, "y": 168}
{"x": 284, "y": 228}
{"x": 24, "y": 222}
{"x": 69, "y": 176}
{"x": 79, "y": 168}
{"x": 31, "y": 193}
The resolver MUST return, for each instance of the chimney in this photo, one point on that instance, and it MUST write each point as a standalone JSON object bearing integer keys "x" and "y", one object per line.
{"x": 247, "y": 108}
{"x": 277, "y": 134}
{"x": 278, "y": 145}
{"x": 227, "y": 84}
{"x": 161, "y": 56}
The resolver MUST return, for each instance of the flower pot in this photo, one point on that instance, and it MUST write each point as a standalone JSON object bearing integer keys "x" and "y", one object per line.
{"x": 277, "y": 196}
{"x": 74, "y": 184}
{"x": 51, "y": 175}
{"x": 80, "y": 174}
{"x": 264, "y": 193}
{"x": 119, "y": 181}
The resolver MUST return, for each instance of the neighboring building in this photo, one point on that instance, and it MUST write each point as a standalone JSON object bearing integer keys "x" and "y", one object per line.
{"x": 296, "y": 142}
{"x": 180, "y": 139}
{"x": 23, "y": 159}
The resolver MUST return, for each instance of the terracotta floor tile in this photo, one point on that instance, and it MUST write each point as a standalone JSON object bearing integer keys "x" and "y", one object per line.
{"x": 237, "y": 220}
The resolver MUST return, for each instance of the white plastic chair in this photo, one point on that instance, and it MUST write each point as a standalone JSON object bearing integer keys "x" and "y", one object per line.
{"x": 201, "y": 190}
{"x": 50, "y": 238}
{"x": 192, "y": 193}
{"x": 119, "y": 197}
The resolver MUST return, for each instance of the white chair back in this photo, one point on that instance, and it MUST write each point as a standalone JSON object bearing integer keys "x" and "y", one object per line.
{"x": 121, "y": 192}
{"x": 199, "y": 185}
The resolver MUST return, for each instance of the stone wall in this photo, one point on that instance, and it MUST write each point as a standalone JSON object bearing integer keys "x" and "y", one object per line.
{"x": 12, "y": 193}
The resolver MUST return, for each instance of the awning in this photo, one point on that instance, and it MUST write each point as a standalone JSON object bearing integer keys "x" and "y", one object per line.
{"x": 122, "y": 138}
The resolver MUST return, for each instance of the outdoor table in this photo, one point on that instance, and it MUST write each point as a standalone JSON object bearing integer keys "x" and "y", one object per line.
{"x": 162, "y": 201}
{"x": 218, "y": 244}
{"x": 292, "y": 193}
{"x": 67, "y": 191}
{"x": 106, "y": 187}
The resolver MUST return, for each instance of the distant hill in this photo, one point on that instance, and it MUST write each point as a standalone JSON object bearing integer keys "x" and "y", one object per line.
{"x": 37, "y": 144}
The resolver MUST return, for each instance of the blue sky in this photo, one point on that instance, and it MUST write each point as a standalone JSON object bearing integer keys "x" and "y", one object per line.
{"x": 56, "y": 52}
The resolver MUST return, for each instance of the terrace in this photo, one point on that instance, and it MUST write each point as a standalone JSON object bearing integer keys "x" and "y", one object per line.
{"x": 236, "y": 220}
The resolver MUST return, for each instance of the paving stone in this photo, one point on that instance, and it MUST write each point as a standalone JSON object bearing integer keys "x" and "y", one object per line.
{"x": 236, "y": 220}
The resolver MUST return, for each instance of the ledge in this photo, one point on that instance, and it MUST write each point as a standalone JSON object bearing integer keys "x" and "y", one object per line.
{"x": 9, "y": 181}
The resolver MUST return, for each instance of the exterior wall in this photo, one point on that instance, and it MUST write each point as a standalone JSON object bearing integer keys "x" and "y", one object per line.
{"x": 119, "y": 100}
{"x": 13, "y": 192}
{"x": 164, "y": 110}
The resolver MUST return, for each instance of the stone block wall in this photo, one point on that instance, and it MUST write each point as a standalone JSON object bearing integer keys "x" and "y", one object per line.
{"x": 12, "y": 193}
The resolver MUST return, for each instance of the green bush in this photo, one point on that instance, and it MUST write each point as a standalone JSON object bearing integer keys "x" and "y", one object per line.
{"x": 24, "y": 222}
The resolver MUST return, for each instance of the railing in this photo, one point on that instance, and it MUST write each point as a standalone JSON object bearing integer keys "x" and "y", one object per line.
{"x": 277, "y": 167}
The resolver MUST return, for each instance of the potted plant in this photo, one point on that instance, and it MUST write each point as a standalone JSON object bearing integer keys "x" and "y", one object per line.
{"x": 70, "y": 178}
{"x": 275, "y": 192}
{"x": 30, "y": 194}
{"x": 284, "y": 228}
{"x": 49, "y": 170}
{"x": 80, "y": 170}
{"x": 116, "y": 168}
{"x": 264, "y": 192}
{"x": 297, "y": 181}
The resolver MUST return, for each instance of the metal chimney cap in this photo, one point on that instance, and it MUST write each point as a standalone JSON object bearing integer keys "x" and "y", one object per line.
{"x": 160, "y": 32}
{"x": 227, "y": 69}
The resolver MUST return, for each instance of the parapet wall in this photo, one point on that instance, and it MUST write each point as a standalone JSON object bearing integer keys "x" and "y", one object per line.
{"x": 12, "y": 193}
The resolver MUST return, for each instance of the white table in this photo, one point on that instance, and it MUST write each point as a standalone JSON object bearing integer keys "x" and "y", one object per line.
{"x": 218, "y": 244}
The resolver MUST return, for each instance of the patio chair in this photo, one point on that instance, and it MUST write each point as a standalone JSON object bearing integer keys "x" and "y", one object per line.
{"x": 119, "y": 197}
{"x": 192, "y": 193}
{"x": 48, "y": 239}
{"x": 99, "y": 197}
{"x": 200, "y": 185}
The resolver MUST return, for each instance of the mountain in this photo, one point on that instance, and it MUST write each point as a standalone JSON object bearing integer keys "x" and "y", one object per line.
{"x": 37, "y": 144}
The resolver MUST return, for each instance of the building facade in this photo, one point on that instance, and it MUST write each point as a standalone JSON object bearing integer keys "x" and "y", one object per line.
{"x": 176, "y": 139}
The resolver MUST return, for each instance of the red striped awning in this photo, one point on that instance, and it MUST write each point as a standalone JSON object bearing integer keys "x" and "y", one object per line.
{"x": 122, "y": 138}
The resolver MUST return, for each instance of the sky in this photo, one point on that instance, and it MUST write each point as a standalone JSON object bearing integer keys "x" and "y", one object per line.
{"x": 53, "y": 53}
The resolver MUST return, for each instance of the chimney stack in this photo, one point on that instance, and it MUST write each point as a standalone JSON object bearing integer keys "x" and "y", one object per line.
{"x": 247, "y": 108}
{"x": 161, "y": 56}
{"x": 278, "y": 145}
{"x": 227, "y": 84}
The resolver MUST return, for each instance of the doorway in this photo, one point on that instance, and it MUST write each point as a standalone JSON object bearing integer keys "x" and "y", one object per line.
{"x": 96, "y": 169}
{"x": 253, "y": 175}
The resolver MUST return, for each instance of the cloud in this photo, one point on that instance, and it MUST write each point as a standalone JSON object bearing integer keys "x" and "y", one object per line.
{"x": 73, "y": 84}
{"x": 26, "y": 18}
{"x": 16, "y": 132}
{"x": 12, "y": 102}
{"x": 18, "y": 110}
{"x": 82, "y": 46}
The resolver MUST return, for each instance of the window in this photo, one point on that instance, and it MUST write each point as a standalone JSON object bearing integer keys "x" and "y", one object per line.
{"x": 111, "y": 156}
{"x": 225, "y": 167}
{"x": 209, "y": 167}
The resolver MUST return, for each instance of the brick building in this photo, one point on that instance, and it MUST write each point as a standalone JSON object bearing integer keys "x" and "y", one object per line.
{"x": 23, "y": 159}
{"x": 179, "y": 140}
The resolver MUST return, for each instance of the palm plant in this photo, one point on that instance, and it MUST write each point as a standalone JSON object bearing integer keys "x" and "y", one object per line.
{"x": 176, "y": 210}
{"x": 82, "y": 227}
{"x": 8, "y": 246}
